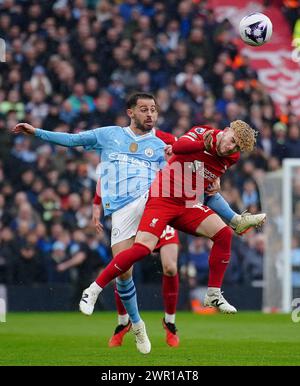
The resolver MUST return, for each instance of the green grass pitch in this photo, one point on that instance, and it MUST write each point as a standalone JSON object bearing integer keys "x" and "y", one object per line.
{"x": 60, "y": 339}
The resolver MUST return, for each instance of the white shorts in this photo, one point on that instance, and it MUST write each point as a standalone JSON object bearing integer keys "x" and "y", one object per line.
{"x": 125, "y": 221}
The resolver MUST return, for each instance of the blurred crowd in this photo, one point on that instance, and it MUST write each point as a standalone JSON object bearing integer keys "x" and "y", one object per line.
{"x": 69, "y": 67}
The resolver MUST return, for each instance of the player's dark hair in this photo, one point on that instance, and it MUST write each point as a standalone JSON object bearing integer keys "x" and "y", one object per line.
{"x": 132, "y": 99}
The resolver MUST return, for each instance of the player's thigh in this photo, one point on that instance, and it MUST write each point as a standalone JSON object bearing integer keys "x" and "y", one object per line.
{"x": 210, "y": 226}
{"x": 146, "y": 238}
{"x": 125, "y": 221}
{"x": 188, "y": 220}
{"x": 157, "y": 214}
{"x": 169, "y": 258}
{"x": 120, "y": 247}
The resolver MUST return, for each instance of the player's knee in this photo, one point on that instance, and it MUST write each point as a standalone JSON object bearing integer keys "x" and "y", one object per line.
{"x": 223, "y": 236}
{"x": 170, "y": 269}
{"x": 147, "y": 239}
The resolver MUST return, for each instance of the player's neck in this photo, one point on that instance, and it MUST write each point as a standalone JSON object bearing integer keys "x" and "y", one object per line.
{"x": 137, "y": 131}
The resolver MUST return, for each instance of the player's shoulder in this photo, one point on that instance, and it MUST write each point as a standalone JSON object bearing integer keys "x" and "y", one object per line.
{"x": 153, "y": 138}
{"x": 167, "y": 138}
{"x": 108, "y": 129}
{"x": 201, "y": 129}
{"x": 107, "y": 133}
{"x": 197, "y": 132}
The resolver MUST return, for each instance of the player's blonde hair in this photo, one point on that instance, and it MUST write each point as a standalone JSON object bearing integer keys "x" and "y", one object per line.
{"x": 244, "y": 135}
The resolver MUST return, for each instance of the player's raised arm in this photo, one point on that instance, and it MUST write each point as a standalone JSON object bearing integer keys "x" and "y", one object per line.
{"x": 87, "y": 138}
{"x": 191, "y": 143}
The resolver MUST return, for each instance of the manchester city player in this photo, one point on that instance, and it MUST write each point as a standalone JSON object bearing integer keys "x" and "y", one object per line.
{"x": 130, "y": 159}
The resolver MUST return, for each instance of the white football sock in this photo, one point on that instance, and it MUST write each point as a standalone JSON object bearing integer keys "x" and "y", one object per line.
{"x": 123, "y": 319}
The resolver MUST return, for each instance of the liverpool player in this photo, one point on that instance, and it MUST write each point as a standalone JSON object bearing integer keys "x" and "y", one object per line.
{"x": 205, "y": 152}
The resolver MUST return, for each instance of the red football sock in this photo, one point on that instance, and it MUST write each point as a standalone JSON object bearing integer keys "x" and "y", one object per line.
{"x": 120, "y": 308}
{"x": 219, "y": 257}
{"x": 121, "y": 263}
{"x": 170, "y": 288}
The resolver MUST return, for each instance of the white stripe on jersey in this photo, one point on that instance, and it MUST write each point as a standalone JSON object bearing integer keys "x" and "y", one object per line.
{"x": 189, "y": 137}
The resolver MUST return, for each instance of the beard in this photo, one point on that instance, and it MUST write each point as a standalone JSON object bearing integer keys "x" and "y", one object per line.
{"x": 143, "y": 127}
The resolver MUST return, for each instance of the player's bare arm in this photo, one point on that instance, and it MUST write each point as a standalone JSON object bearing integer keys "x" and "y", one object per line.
{"x": 97, "y": 211}
{"x": 97, "y": 208}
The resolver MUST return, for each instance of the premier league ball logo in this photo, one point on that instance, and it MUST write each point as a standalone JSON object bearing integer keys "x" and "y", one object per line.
{"x": 256, "y": 29}
{"x": 257, "y": 32}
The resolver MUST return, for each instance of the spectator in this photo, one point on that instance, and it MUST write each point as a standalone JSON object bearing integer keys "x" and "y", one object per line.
{"x": 78, "y": 99}
{"x": 280, "y": 148}
{"x": 293, "y": 141}
{"x": 250, "y": 195}
{"x": 26, "y": 268}
{"x": 253, "y": 264}
{"x": 197, "y": 256}
{"x": 39, "y": 81}
{"x": 13, "y": 103}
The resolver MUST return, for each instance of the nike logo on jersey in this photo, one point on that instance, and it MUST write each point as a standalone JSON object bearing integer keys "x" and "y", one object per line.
{"x": 206, "y": 152}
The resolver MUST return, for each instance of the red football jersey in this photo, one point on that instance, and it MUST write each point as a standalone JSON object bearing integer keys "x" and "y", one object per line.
{"x": 188, "y": 166}
{"x": 167, "y": 138}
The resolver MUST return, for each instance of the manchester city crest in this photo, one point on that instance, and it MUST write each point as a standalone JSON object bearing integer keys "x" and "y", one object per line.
{"x": 149, "y": 152}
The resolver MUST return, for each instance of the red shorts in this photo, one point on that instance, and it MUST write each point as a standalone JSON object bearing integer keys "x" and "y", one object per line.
{"x": 160, "y": 212}
{"x": 169, "y": 236}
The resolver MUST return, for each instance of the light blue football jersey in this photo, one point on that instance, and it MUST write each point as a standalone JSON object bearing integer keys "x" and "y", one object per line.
{"x": 129, "y": 162}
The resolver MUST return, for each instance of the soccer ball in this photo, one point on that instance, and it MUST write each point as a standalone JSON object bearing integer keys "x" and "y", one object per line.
{"x": 256, "y": 29}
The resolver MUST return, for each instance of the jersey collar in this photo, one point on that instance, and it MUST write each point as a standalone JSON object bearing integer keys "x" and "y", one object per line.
{"x": 138, "y": 137}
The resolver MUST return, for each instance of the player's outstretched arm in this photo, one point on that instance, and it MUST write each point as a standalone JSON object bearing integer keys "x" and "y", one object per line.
{"x": 86, "y": 138}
